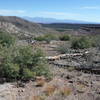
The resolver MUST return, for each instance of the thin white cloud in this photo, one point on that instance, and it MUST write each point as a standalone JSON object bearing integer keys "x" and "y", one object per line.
{"x": 11, "y": 12}
{"x": 91, "y": 7}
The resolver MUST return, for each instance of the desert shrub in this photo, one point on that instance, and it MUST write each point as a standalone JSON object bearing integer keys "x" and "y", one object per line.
{"x": 27, "y": 74}
{"x": 65, "y": 48}
{"x": 39, "y": 38}
{"x": 10, "y": 70}
{"x": 22, "y": 63}
{"x": 62, "y": 49}
{"x": 64, "y": 37}
{"x": 46, "y": 37}
{"x": 6, "y": 39}
{"x": 49, "y": 89}
{"x": 81, "y": 43}
{"x": 96, "y": 40}
{"x": 66, "y": 91}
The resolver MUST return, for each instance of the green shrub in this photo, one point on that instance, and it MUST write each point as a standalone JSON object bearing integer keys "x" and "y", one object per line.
{"x": 6, "y": 39}
{"x": 10, "y": 70}
{"x": 63, "y": 49}
{"x": 47, "y": 37}
{"x": 96, "y": 40}
{"x": 81, "y": 43}
{"x": 40, "y": 38}
{"x": 27, "y": 74}
{"x": 64, "y": 37}
{"x": 23, "y": 63}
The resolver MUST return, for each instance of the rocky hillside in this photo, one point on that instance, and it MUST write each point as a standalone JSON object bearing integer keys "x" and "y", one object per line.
{"x": 21, "y": 27}
{"x": 75, "y": 28}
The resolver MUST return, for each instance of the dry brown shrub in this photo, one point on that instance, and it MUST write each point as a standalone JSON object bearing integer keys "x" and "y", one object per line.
{"x": 66, "y": 91}
{"x": 81, "y": 88}
{"x": 40, "y": 81}
{"x": 49, "y": 89}
{"x": 37, "y": 98}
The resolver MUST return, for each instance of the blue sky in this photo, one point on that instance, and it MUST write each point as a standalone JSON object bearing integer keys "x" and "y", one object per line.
{"x": 86, "y": 10}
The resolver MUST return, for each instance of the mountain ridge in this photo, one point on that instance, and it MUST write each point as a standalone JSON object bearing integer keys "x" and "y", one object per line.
{"x": 54, "y": 20}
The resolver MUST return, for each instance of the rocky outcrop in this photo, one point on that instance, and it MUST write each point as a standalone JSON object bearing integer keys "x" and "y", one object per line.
{"x": 9, "y": 27}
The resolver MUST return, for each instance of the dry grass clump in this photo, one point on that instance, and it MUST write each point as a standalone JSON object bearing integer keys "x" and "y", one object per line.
{"x": 40, "y": 81}
{"x": 57, "y": 87}
{"x": 37, "y": 98}
{"x": 81, "y": 88}
{"x": 49, "y": 89}
{"x": 66, "y": 91}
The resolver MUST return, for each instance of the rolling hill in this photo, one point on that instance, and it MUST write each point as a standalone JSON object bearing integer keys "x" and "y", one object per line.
{"x": 21, "y": 27}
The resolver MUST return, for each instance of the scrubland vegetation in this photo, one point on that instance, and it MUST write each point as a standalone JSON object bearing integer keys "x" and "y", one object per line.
{"x": 24, "y": 62}
{"x": 50, "y": 37}
{"x": 49, "y": 61}
{"x": 82, "y": 43}
{"x": 20, "y": 62}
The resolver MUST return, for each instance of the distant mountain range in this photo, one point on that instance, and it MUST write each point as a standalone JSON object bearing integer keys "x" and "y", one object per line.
{"x": 53, "y": 20}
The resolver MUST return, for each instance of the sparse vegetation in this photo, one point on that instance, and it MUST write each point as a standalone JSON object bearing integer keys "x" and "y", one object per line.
{"x": 63, "y": 49}
{"x": 47, "y": 37}
{"x": 96, "y": 42}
